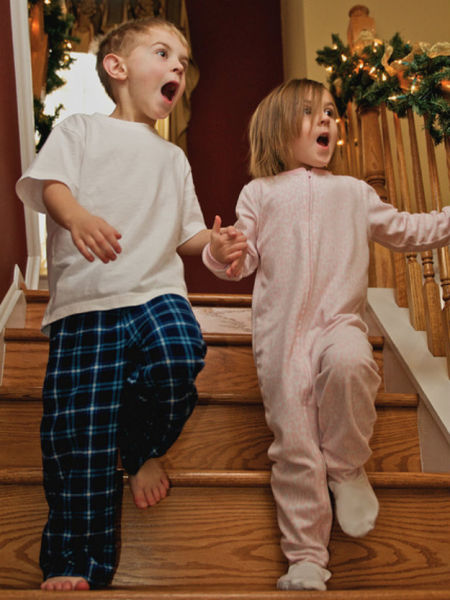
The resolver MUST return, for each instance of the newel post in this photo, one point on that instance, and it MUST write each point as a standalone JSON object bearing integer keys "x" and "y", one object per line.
{"x": 360, "y": 33}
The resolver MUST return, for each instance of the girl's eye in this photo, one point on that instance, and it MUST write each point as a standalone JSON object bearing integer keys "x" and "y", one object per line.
{"x": 307, "y": 110}
{"x": 162, "y": 53}
{"x": 329, "y": 112}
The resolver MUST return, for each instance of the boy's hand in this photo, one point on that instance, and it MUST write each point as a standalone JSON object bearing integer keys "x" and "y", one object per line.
{"x": 90, "y": 234}
{"x": 94, "y": 236}
{"x": 228, "y": 246}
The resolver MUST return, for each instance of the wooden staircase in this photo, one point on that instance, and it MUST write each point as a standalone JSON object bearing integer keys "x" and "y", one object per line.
{"x": 215, "y": 537}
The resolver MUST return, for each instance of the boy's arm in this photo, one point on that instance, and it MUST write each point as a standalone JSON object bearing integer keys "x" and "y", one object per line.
{"x": 195, "y": 244}
{"x": 91, "y": 235}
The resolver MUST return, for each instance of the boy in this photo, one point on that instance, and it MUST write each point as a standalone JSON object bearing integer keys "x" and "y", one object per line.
{"x": 125, "y": 347}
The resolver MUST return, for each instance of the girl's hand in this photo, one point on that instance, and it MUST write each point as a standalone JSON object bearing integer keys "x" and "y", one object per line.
{"x": 228, "y": 246}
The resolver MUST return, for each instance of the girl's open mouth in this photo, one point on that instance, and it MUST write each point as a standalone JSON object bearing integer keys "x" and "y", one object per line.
{"x": 323, "y": 140}
{"x": 169, "y": 90}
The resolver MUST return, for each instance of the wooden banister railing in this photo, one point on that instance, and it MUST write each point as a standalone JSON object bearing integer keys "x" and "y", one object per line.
{"x": 369, "y": 137}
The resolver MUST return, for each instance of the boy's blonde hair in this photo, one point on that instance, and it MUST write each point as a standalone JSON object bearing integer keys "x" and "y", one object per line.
{"x": 277, "y": 122}
{"x": 124, "y": 38}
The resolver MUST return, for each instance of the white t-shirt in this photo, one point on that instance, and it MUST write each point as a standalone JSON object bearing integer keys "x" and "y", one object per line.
{"x": 140, "y": 184}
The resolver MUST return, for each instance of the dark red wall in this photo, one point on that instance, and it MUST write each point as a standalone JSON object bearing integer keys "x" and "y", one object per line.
{"x": 237, "y": 46}
{"x": 12, "y": 227}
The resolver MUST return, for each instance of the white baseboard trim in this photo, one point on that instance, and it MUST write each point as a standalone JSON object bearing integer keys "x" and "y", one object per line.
{"x": 12, "y": 312}
{"x": 427, "y": 373}
{"x": 32, "y": 276}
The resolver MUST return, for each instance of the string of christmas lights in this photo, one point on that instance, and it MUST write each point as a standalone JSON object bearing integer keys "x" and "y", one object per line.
{"x": 397, "y": 73}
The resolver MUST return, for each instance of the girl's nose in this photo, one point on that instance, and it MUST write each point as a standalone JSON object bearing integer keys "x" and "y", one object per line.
{"x": 177, "y": 66}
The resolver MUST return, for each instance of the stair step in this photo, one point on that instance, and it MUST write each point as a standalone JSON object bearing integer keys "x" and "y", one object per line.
{"x": 32, "y": 334}
{"x": 229, "y": 361}
{"x": 215, "y": 537}
{"x": 220, "y": 434}
{"x": 223, "y": 478}
{"x": 220, "y": 529}
{"x": 221, "y": 300}
{"x": 384, "y": 399}
{"x": 206, "y": 592}
{"x": 225, "y": 312}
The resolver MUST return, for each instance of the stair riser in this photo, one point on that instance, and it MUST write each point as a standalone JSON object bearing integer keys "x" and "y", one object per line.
{"x": 226, "y": 367}
{"x": 220, "y": 437}
{"x": 228, "y": 536}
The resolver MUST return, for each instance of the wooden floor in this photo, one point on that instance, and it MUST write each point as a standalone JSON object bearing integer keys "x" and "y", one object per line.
{"x": 216, "y": 536}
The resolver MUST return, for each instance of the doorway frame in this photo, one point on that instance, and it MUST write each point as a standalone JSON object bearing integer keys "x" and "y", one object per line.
{"x": 24, "y": 95}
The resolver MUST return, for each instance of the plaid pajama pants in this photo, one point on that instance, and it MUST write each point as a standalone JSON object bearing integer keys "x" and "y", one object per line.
{"x": 121, "y": 378}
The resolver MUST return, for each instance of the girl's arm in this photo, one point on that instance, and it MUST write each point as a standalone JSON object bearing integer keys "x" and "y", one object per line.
{"x": 90, "y": 234}
{"x": 403, "y": 231}
{"x": 246, "y": 223}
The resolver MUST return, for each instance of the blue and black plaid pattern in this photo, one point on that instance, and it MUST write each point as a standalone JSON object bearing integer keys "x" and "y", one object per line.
{"x": 118, "y": 378}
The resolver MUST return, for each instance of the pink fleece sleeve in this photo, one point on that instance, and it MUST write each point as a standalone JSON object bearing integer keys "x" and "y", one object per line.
{"x": 403, "y": 231}
{"x": 247, "y": 217}
{"x": 216, "y": 267}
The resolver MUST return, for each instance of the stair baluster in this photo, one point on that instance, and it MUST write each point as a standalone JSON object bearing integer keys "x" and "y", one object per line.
{"x": 413, "y": 270}
{"x": 430, "y": 289}
{"x": 398, "y": 258}
{"x": 443, "y": 253}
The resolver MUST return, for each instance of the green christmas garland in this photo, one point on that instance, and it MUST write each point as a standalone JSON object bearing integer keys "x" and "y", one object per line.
{"x": 57, "y": 27}
{"x": 399, "y": 74}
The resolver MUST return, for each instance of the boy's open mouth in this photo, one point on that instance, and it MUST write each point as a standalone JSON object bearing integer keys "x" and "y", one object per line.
{"x": 169, "y": 90}
{"x": 323, "y": 140}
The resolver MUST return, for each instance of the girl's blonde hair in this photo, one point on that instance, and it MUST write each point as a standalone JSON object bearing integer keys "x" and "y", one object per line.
{"x": 124, "y": 38}
{"x": 277, "y": 122}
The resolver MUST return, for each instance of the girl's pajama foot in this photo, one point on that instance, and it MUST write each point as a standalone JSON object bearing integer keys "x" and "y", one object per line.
{"x": 356, "y": 505}
{"x": 304, "y": 575}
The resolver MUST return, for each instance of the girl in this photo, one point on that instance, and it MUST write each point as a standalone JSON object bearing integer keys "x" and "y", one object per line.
{"x": 308, "y": 235}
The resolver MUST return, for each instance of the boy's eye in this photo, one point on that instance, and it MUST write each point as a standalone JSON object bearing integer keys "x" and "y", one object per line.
{"x": 307, "y": 110}
{"x": 162, "y": 53}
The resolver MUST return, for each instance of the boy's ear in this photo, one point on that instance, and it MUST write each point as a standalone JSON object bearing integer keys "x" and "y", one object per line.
{"x": 115, "y": 67}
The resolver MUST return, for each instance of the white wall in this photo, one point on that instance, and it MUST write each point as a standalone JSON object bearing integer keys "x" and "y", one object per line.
{"x": 308, "y": 25}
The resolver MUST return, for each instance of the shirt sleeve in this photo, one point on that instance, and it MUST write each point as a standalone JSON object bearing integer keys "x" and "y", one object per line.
{"x": 192, "y": 216}
{"x": 59, "y": 159}
{"x": 404, "y": 231}
{"x": 247, "y": 222}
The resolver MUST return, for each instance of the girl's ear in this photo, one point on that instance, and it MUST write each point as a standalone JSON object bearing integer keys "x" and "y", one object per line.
{"x": 115, "y": 67}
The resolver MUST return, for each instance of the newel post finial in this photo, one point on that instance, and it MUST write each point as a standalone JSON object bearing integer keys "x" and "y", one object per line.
{"x": 361, "y": 27}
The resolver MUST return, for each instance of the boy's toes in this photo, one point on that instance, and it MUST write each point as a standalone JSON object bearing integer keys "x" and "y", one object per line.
{"x": 65, "y": 584}
{"x": 140, "y": 499}
{"x": 152, "y": 497}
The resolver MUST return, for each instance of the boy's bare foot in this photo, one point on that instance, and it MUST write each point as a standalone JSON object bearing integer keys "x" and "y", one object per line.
{"x": 65, "y": 584}
{"x": 150, "y": 484}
